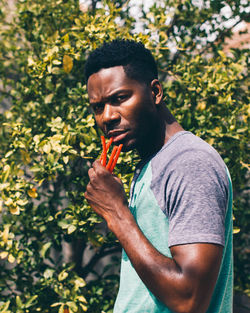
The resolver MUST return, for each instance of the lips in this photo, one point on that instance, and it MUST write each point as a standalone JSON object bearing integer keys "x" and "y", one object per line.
{"x": 118, "y": 135}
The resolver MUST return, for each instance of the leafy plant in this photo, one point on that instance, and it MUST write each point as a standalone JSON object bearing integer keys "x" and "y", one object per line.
{"x": 52, "y": 245}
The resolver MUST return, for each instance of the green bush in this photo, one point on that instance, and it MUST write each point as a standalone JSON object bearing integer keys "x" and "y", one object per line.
{"x": 48, "y": 138}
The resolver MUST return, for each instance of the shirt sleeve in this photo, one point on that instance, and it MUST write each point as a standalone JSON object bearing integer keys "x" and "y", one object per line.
{"x": 196, "y": 199}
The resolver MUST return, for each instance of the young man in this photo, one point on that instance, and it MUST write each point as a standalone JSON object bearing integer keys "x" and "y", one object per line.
{"x": 176, "y": 232}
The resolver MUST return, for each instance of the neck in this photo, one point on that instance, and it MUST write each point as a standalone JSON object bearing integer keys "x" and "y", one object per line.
{"x": 164, "y": 126}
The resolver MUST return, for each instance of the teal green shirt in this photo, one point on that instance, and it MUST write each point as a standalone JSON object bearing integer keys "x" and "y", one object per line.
{"x": 183, "y": 195}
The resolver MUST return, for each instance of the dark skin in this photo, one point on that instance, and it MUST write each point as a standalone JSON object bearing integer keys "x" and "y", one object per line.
{"x": 135, "y": 115}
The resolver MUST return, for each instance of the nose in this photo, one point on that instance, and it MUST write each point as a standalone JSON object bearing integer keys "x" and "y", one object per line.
{"x": 110, "y": 114}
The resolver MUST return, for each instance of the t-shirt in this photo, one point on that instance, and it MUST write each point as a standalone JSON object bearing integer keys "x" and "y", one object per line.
{"x": 182, "y": 195}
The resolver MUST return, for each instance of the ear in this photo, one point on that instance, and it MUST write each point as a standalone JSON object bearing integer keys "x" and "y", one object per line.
{"x": 157, "y": 92}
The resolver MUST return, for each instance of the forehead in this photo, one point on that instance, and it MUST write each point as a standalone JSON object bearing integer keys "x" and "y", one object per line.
{"x": 108, "y": 81}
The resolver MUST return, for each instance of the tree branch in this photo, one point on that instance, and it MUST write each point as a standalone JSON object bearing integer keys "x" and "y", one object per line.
{"x": 96, "y": 257}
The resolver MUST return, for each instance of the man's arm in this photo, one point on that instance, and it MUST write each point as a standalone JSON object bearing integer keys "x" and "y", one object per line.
{"x": 185, "y": 282}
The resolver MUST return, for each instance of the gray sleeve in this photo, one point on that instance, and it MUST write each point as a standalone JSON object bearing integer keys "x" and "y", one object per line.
{"x": 197, "y": 200}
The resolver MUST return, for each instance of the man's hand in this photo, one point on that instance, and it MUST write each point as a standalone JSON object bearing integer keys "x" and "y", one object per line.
{"x": 105, "y": 194}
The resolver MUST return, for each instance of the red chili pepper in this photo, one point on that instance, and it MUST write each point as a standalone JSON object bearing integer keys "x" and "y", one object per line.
{"x": 109, "y": 143}
{"x": 107, "y": 149}
{"x": 116, "y": 158}
{"x": 103, "y": 158}
{"x": 114, "y": 155}
{"x": 111, "y": 158}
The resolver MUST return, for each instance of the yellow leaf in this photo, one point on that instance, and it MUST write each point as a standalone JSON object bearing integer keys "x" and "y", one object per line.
{"x": 32, "y": 193}
{"x": 20, "y": 173}
{"x": 172, "y": 94}
{"x": 201, "y": 105}
{"x": 8, "y": 154}
{"x": 236, "y": 230}
{"x": 25, "y": 157}
{"x": 49, "y": 68}
{"x": 67, "y": 63}
{"x": 47, "y": 148}
{"x": 9, "y": 202}
{"x": 84, "y": 308}
{"x": 20, "y": 256}
{"x": 11, "y": 258}
{"x": 56, "y": 138}
{"x": 245, "y": 165}
{"x": 6, "y": 172}
{"x": 62, "y": 275}
{"x": 56, "y": 147}
{"x": 22, "y": 202}
{"x": 222, "y": 54}
{"x": 66, "y": 159}
{"x": 80, "y": 282}
{"x": 58, "y": 213}
{"x": 82, "y": 298}
{"x": 71, "y": 229}
{"x": 5, "y": 234}
{"x": 210, "y": 141}
{"x": 41, "y": 181}
{"x": 48, "y": 98}
{"x": 3, "y": 254}
{"x": 4, "y": 186}
{"x": 15, "y": 210}
{"x": 56, "y": 62}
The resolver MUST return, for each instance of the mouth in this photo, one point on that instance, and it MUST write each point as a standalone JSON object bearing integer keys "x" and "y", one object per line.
{"x": 118, "y": 135}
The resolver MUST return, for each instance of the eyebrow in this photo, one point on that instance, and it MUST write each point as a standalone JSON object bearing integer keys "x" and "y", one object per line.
{"x": 112, "y": 95}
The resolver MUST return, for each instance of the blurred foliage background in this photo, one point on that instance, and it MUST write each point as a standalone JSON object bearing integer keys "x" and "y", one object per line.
{"x": 52, "y": 245}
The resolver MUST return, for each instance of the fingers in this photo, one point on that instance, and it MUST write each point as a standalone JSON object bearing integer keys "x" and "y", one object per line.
{"x": 98, "y": 176}
{"x": 98, "y": 169}
{"x": 100, "y": 180}
{"x": 89, "y": 193}
{"x": 91, "y": 172}
{"x": 117, "y": 179}
{"x": 95, "y": 169}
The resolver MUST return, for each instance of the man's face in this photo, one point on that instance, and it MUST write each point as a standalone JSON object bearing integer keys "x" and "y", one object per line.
{"x": 124, "y": 108}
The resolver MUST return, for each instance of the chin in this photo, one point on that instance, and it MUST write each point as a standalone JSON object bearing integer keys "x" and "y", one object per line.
{"x": 128, "y": 145}
{"x": 126, "y": 148}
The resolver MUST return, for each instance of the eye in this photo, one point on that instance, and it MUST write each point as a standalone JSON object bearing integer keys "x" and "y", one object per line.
{"x": 122, "y": 97}
{"x": 119, "y": 98}
{"x": 97, "y": 107}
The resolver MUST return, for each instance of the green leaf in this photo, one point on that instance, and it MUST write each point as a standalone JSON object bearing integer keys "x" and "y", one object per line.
{"x": 45, "y": 248}
{"x": 48, "y": 273}
{"x": 31, "y": 301}
{"x": 63, "y": 275}
{"x": 71, "y": 229}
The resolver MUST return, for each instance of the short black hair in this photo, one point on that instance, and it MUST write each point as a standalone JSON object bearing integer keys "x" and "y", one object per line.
{"x": 137, "y": 61}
